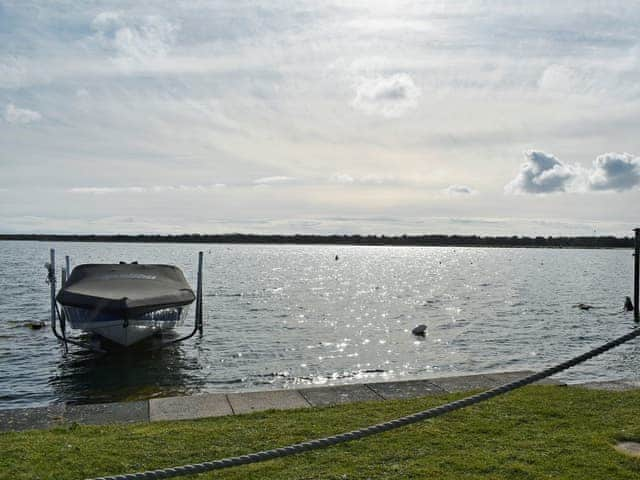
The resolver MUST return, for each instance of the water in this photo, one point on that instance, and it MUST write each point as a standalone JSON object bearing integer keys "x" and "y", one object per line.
{"x": 283, "y": 316}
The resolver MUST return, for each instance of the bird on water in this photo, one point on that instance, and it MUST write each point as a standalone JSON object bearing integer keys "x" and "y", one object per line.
{"x": 420, "y": 330}
{"x": 628, "y": 304}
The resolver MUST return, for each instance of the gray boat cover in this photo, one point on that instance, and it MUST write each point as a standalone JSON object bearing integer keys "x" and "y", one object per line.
{"x": 129, "y": 290}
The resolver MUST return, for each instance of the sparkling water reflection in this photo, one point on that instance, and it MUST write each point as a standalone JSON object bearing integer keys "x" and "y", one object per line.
{"x": 279, "y": 316}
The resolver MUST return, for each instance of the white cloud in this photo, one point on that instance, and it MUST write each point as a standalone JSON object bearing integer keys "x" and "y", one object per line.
{"x": 341, "y": 178}
{"x": 272, "y": 180}
{"x": 542, "y": 173}
{"x": 222, "y": 91}
{"x": 12, "y": 72}
{"x": 135, "y": 40}
{"x": 558, "y": 79}
{"x": 106, "y": 190}
{"x": 146, "y": 189}
{"x": 375, "y": 179}
{"x": 21, "y": 116}
{"x": 615, "y": 171}
{"x": 390, "y": 96}
{"x": 369, "y": 179}
{"x": 459, "y": 191}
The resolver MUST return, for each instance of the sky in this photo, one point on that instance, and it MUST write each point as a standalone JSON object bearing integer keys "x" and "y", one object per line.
{"x": 364, "y": 117}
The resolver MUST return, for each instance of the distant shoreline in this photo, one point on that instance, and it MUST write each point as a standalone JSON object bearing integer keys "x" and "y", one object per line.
{"x": 365, "y": 240}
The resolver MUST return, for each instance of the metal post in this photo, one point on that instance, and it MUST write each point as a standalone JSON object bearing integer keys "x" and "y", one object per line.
{"x": 67, "y": 264}
{"x": 51, "y": 280}
{"x": 198, "y": 323}
{"x": 636, "y": 277}
{"x": 199, "y": 295}
{"x": 52, "y": 285}
{"x": 63, "y": 320}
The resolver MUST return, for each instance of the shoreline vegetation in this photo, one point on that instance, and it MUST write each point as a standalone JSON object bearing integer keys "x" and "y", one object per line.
{"x": 537, "y": 432}
{"x": 368, "y": 240}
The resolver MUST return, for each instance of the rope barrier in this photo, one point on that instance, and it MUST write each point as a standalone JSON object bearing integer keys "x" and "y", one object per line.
{"x": 373, "y": 429}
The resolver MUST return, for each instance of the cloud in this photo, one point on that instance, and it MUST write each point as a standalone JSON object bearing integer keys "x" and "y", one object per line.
{"x": 542, "y": 173}
{"x": 341, "y": 178}
{"x": 374, "y": 179}
{"x": 615, "y": 171}
{"x": 559, "y": 79}
{"x": 135, "y": 40}
{"x": 226, "y": 91}
{"x": 369, "y": 179}
{"x": 459, "y": 191}
{"x": 107, "y": 190}
{"x": 272, "y": 180}
{"x": 150, "y": 189}
{"x": 12, "y": 72}
{"x": 20, "y": 116}
{"x": 390, "y": 96}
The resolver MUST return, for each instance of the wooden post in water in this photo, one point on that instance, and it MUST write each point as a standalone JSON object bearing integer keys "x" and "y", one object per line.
{"x": 636, "y": 277}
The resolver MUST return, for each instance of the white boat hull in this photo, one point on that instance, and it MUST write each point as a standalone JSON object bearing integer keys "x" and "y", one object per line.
{"x": 125, "y": 336}
{"x": 125, "y": 333}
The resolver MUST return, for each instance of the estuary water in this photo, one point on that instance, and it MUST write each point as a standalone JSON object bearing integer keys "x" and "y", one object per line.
{"x": 279, "y": 316}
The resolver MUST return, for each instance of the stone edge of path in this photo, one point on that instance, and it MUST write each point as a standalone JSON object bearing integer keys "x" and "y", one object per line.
{"x": 221, "y": 404}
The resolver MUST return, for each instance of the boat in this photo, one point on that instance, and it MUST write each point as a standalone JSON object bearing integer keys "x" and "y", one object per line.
{"x": 124, "y": 303}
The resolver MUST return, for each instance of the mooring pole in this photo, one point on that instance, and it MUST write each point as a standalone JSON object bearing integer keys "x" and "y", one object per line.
{"x": 52, "y": 285}
{"x": 67, "y": 265}
{"x": 199, "y": 294}
{"x": 636, "y": 277}
{"x": 63, "y": 320}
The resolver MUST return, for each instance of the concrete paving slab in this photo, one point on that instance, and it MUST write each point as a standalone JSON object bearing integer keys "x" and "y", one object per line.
{"x": 550, "y": 381}
{"x": 405, "y": 389}
{"x": 465, "y": 382}
{"x": 271, "y": 400}
{"x": 325, "y": 396}
{"x": 37, "y": 418}
{"x": 211, "y": 405}
{"x": 104, "y": 413}
{"x": 506, "y": 377}
{"x": 184, "y": 408}
{"x": 612, "y": 386}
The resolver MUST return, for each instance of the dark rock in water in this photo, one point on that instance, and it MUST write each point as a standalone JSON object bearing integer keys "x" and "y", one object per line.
{"x": 583, "y": 306}
{"x": 35, "y": 325}
{"x": 419, "y": 330}
{"x": 628, "y": 304}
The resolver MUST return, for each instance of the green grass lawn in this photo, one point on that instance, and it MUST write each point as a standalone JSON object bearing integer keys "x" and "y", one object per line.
{"x": 537, "y": 432}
